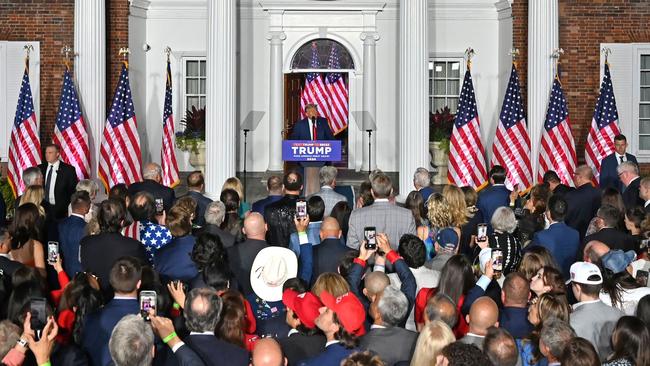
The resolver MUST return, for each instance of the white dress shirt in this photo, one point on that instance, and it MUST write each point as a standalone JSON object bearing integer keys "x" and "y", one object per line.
{"x": 50, "y": 193}
{"x": 312, "y": 123}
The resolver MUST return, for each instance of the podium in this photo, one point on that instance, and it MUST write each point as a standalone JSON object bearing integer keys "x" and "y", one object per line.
{"x": 312, "y": 155}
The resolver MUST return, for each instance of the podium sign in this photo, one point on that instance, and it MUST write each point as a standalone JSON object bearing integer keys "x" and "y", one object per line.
{"x": 310, "y": 150}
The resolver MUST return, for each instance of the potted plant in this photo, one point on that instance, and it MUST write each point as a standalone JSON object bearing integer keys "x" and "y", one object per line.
{"x": 192, "y": 139}
{"x": 441, "y": 124}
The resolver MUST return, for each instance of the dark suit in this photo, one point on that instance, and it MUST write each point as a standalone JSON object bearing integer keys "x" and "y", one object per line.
{"x": 562, "y": 189}
{"x": 615, "y": 239}
{"x": 332, "y": 356}
{"x": 515, "y": 321}
{"x": 202, "y": 203}
{"x": 327, "y": 256}
{"x": 490, "y": 199}
{"x": 156, "y": 189}
{"x": 71, "y": 230}
{"x": 609, "y": 175}
{"x": 7, "y": 269}
{"x": 631, "y": 195}
{"x": 392, "y": 344}
{"x": 426, "y": 192}
{"x": 100, "y": 324}
{"x": 301, "y": 130}
{"x": 64, "y": 186}
{"x": 562, "y": 242}
{"x": 279, "y": 217}
{"x": 215, "y": 352}
{"x": 582, "y": 204}
{"x": 226, "y": 238}
{"x": 241, "y": 258}
{"x": 173, "y": 261}
{"x": 298, "y": 347}
{"x": 260, "y": 205}
{"x": 99, "y": 252}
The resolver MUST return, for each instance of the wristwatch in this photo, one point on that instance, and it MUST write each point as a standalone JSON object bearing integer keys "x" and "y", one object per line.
{"x": 22, "y": 342}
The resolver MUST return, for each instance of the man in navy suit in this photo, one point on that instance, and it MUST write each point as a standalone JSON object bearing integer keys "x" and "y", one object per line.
{"x": 514, "y": 315}
{"x": 583, "y": 202}
{"x": 71, "y": 230}
{"x": 608, "y": 174}
{"x": 152, "y": 174}
{"x": 421, "y": 182}
{"x": 202, "y": 311}
{"x": 312, "y": 127}
{"x": 125, "y": 280}
{"x": 628, "y": 173}
{"x": 60, "y": 181}
{"x": 195, "y": 187}
{"x": 555, "y": 184}
{"x": 274, "y": 187}
{"x": 328, "y": 254}
{"x": 494, "y": 196}
{"x": 341, "y": 331}
{"x": 561, "y": 240}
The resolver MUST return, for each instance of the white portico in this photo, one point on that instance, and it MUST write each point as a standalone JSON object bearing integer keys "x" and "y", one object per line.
{"x": 392, "y": 79}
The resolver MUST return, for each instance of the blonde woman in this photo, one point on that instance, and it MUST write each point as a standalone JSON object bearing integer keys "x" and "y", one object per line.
{"x": 36, "y": 195}
{"x": 90, "y": 186}
{"x": 433, "y": 338}
{"x": 439, "y": 214}
{"x": 235, "y": 184}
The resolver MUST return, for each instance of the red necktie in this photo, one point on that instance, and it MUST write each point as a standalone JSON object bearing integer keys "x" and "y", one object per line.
{"x": 313, "y": 123}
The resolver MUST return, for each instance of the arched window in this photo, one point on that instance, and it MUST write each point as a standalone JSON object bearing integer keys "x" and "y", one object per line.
{"x": 302, "y": 59}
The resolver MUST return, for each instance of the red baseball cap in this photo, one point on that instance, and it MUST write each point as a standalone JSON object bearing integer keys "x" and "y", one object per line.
{"x": 305, "y": 305}
{"x": 349, "y": 311}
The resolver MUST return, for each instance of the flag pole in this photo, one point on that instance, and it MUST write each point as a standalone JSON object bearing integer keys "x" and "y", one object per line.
{"x": 66, "y": 51}
{"x": 556, "y": 55}
{"x": 607, "y": 51}
{"x": 514, "y": 53}
{"x": 124, "y": 52}
{"x": 28, "y": 49}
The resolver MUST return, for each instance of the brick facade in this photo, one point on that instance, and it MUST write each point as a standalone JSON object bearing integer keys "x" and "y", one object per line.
{"x": 584, "y": 25}
{"x": 117, "y": 36}
{"x": 51, "y": 22}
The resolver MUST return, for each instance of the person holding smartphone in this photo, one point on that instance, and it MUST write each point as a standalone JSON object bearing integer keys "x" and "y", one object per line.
{"x": 504, "y": 224}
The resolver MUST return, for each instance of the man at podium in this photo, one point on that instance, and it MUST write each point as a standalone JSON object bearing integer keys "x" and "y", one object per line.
{"x": 311, "y": 128}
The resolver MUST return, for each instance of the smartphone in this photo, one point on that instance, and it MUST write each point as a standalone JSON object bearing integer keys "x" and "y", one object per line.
{"x": 160, "y": 207}
{"x": 39, "y": 316}
{"x": 52, "y": 251}
{"x": 482, "y": 231}
{"x": 370, "y": 234}
{"x": 301, "y": 209}
{"x": 147, "y": 302}
{"x": 497, "y": 260}
{"x": 642, "y": 277}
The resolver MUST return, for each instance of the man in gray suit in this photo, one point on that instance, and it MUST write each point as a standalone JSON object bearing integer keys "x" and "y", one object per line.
{"x": 592, "y": 319}
{"x": 387, "y": 218}
{"x": 483, "y": 314}
{"x": 327, "y": 177}
{"x": 386, "y": 338}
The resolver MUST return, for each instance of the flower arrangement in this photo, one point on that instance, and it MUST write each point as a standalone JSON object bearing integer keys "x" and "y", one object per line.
{"x": 441, "y": 125}
{"x": 194, "y": 133}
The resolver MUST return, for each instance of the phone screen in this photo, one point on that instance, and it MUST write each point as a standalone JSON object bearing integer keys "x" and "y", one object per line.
{"x": 642, "y": 277}
{"x": 497, "y": 260}
{"x": 301, "y": 209}
{"x": 160, "y": 207}
{"x": 147, "y": 302}
{"x": 482, "y": 231}
{"x": 370, "y": 234}
{"x": 39, "y": 316}
{"x": 52, "y": 252}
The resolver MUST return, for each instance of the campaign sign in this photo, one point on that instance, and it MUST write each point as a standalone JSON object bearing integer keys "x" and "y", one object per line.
{"x": 310, "y": 150}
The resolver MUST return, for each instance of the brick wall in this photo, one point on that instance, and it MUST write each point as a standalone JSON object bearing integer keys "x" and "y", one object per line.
{"x": 584, "y": 24}
{"x": 117, "y": 36}
{"x": 51, "y": 22}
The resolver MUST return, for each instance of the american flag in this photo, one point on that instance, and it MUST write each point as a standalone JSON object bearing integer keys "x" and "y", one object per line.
{"x": 24, "y": 147}
{"x": 511, "y": 148}
{"x": 314, "y": 91}
{"x": 604, "y": 126}
{"x": 466, "y": 154}
{"x": 558, "y": 151}
{"x": 119, "y": 160}
{"x": 70, "y": 129}
{"x": 337, "y": 94}
{"x": 168, "y": 155}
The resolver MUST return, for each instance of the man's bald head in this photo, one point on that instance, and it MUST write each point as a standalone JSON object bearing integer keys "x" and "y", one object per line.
{"x": 254, "y": 226}
{"x": 516, "y": 290}
{"x": 441, "y": 307}
{"x": 267, "y": 352}
{"x": 330, "y": 228}
{"x": 594, "y": 250}
{"x": 483, "y": 314}
{"x": 375, "y": 283}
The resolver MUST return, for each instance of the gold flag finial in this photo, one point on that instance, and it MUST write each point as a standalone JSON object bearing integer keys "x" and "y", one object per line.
{"x": 124, "y": 52}
{"x": 66, "y": 51}
{"x": 469, "y": 54}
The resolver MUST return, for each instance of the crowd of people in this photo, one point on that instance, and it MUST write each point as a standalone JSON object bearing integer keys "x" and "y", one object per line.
{"x": 553, "y": 276}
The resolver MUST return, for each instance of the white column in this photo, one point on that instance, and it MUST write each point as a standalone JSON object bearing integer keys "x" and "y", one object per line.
{"x": 221, "y": 92}
{"x": 369, "y": 105}
{"x": 90, "y": 69}
{"x": 543, "y": 39}
{"x": 276, "y": 101}
{"x": 413, "y": 126}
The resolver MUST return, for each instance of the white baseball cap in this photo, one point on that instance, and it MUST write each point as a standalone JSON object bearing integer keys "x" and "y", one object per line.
{"x": 581, "y": 271}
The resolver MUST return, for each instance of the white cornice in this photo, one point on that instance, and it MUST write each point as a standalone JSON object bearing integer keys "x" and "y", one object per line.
{"x": 169, "y": 9}
{"x": 315, "y": 5}
{"x": 469, "y": 9}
